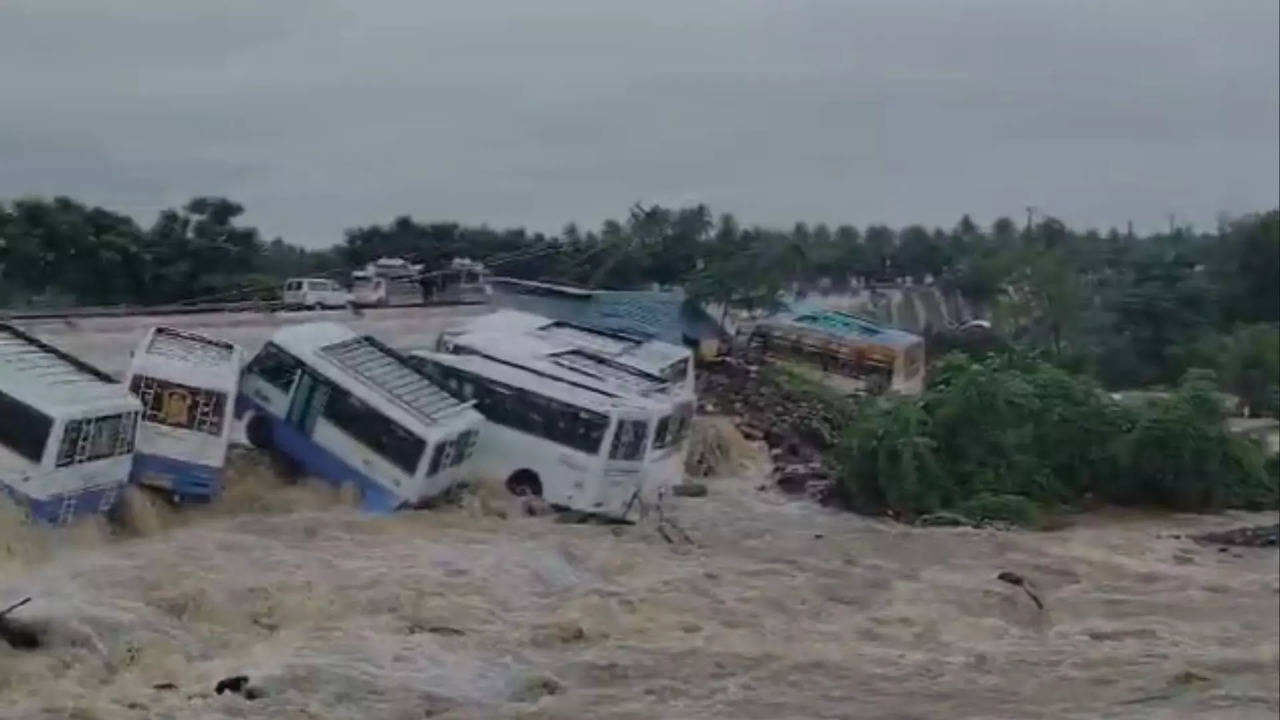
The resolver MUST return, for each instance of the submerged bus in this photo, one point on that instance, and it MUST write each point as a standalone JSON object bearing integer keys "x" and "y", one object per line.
{"x": 67, "y": 431}
{"x": 352, "y": 411}
{"x": 845, "y": 351}
{"x": 576, "y": 443}
{"x": 186, "y": 383}
{"x": 635, "y": 391}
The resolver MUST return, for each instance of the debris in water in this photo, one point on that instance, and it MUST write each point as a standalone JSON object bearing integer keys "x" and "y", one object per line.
{"x": 14, "y": 606}
{"x": 234, "y": 684}
{"x": 165, "y": 686}
{"x": 1014, "y": 578}
{"x": 446, "y": 630}
{"x": 535, "y": 687}
{"x": 1254, "y": 536}
{"x": 689, "y": 489}
{"x": 18, "y": 635}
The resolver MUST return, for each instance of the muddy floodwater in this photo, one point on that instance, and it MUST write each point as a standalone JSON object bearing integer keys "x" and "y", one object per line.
{"x": 778, "y": 609}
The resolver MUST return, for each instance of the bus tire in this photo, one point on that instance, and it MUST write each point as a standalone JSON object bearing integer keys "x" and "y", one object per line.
{"x": 258, "y": 432}
{"x": 524, "y": 483}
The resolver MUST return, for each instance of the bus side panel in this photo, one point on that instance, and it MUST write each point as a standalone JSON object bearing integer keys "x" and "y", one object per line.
{"x": 370, "y": 464}
{"x": 94, "y": 501}
{"x": 189, "y": 481}
{"x": 501, "y": 451}
{"x": 322, "y": 463}
{"x": 188, "y": 445}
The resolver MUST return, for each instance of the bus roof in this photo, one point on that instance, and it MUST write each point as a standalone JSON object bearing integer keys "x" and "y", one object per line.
{"x": 178, "y": 354}
{"x": 515, "y": 333}
{"x": 844, "y": 326}
{"x": 43, "y": 376}
{"x": 533, "y": 378}
{"x": 372, "y": 364}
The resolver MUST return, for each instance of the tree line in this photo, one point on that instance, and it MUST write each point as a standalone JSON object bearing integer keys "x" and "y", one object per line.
{"x": 1129, "y": 310}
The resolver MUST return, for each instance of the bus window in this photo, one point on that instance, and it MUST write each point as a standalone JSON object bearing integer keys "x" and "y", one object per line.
{"x": 628, "y": 440}
{"x": 24, "y": 429}
{"x": 276, "y": 367}
{"x": 179, "y": 406}
{"x": 97, "y": 438}
{"x": 676, "y": 372}
{"x": 374, "y": 430}
{"x": 673, "y": 428}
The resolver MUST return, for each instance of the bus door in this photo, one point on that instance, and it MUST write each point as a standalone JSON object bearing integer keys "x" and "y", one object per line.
{"x": 308, "y": 400}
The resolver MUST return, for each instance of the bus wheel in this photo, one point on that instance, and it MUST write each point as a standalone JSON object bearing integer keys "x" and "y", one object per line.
{"x": 524, "y": 482}
{"x": 258, "y": 432}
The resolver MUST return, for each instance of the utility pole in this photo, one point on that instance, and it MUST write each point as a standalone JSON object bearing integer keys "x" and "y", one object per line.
{"x": 1130, "y": 231}
{"x": 1031, "y": 210}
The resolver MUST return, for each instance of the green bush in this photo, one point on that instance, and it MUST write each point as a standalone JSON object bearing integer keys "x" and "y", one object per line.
{"x": 1014, "y": 509}
{"x": 1004, "y": 437}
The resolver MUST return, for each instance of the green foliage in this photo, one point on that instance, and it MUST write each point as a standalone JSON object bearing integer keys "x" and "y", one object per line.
{"x": 1014, "y": 509}
{"x": 1130, "y": 311}
{"x": 1180, "y": 455}
{"x": 1003, "y": 437}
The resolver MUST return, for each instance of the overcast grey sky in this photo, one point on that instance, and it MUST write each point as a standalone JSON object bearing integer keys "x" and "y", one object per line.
{"x": 322, "y": 114}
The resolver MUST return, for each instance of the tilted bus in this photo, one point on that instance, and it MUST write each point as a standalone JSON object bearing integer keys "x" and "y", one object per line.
{"x": 350, "y": 410}
{"x": 515, "y": 333}
{"x": 67, "y": 430}
{"x": 577, "y": 443}
{"x": 187, "y": 385}
{"x": 651, "y": 380}
{"x": 844, "y": 350}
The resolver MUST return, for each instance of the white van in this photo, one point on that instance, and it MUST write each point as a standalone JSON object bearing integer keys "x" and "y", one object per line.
{"x": 314, "y": 294}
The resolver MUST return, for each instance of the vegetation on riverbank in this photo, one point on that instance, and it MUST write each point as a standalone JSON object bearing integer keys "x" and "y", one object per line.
{"x": 1010, "y": 438}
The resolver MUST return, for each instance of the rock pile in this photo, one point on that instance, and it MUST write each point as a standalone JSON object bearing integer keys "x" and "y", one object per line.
{"x": 795, "y": 425}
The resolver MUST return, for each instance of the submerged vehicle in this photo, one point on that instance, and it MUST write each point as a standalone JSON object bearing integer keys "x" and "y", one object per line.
{"x": 843, "y": 350}
{"x": 352, "y": 411}
{"x": 67, "y": 430}
{"x": 186, "y": 383}
{"x": 588, "y": 419}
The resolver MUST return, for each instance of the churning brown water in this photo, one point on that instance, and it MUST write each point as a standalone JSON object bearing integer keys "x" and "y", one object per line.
{"x": 779, "y": 610}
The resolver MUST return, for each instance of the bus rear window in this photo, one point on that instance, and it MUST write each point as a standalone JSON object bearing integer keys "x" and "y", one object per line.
{"x": 180, "y": 406}
{"x": 23, "y": 429}
{"x": 89, "y": 439}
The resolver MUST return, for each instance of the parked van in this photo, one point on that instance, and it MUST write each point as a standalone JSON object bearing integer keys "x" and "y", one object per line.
{"x": 314, "y": 294}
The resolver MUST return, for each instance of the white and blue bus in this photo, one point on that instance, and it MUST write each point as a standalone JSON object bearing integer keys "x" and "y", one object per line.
{"x": 187, "y": 384}
{"x": 350, "y": 410}
{"x": 67, "y": 431}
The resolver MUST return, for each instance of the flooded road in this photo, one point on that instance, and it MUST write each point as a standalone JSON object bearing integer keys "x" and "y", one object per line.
{"x": 780, "y": 609}
{"x": 107, "y": 342}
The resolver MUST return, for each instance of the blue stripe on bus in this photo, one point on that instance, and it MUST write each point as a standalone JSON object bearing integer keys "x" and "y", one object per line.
{"x": 49, "y": 511}
{"x": 190, "y": 482}
{"x": 317, "y": 461}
